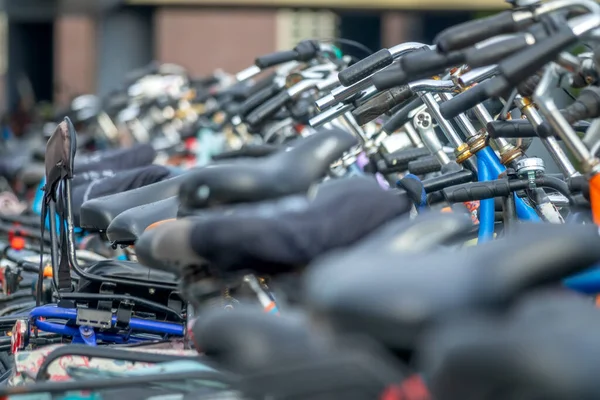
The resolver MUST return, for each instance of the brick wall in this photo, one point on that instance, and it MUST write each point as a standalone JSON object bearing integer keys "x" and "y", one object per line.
{"x": 202, "y": 40}
{"x": 199, "y": 39}
{"x": 75, "y": 57}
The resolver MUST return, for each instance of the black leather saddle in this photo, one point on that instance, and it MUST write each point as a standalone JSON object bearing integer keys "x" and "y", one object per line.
{"x": 97, "y": 214}
{"x": 546, "y": 348}
{"x": 395, "y": 295}
{"x": 138, "y": 155}
{"x": 276, "y": 236}
{"x": 283, "y": 173}
{"x": 276, "y": 356}
{"x": 121, "y": 183}
{"x": 32, "y": 174}
{"x": 127, "y": 227}
{"x": 252, "y": 151}
{"x": 131, "y": 224}
{"x": 218, "y": 335}
{"x": 123, "y": 269}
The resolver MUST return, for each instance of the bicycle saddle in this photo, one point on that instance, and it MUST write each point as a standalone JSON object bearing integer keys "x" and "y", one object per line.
{"x": 127, "y": 227}
{"x": 548, "y": 350}
{"x": 280, "y": 236}
{"x": 123, "y": 182}
{"x": 245, "y": 338}
{"x": 97, "y": 214}
{"x": 425, "y": 232}
{"x": 256, "y": 150}
{"x": 394, "y": 296}
{"x": 124, "y": 269}
{"x": 32, "y": 174}
{"x": 280, "y": 174}
{"x": 138, "y": 155}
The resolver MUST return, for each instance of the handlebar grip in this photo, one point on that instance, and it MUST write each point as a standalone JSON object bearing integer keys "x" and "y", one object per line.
{"x": 469, "y": 33}
{"x": 430, "y": 61}
{"x": 390, "y": 78}
{"x": 447, "y": 180}
{"x": 464, "y": 101}
{"x": 381, "y": 104}
{"x": 260, "y": 84}
{"x": 495, "y": 52}
{"x": 401, "y": 117}
{"x": 267, "y": 109}
{"x": 424, "y": 166}
{"x": 528, "y": 86}
{"x": 586, "y": 106}
{"x": 257, "y": 99}
{"x": 477, "y": 191}
{"x": 365, "y": 67}
{"x": 518, "y": 67}
{"x": 520, "y": 128}
{"x": 494, "y": 107}
{"x": 279, "y": 57}
{"x": 405, "y": 156}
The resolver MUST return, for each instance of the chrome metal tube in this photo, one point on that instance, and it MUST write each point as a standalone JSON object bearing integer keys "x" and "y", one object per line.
{"x": 477, "y": 75}
{"x": 446, "y": 126}
{"x": 562, "y": 127}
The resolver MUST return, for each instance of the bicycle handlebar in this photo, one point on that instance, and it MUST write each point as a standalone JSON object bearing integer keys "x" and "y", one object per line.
{"x": 267, "y": 109}
{"x": 401, "y": 117}
{"x": 424, "y": 165}
{"x": 493, "y": 53}
{"x": 465, "y": 100}
{"x": 381, "y": 104}
{"x": 430, "y": 62}
{"x": 365, "y": 67}
{"x": 469, "y": 33}
{"x": 304, "y": 51}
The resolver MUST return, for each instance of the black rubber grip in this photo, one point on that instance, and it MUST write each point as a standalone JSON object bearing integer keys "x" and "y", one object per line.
{"x": 493, "y": 106}
{"x": 424, "y": 165}
{"x": 391, "y": 77}
{"x": 586, "y": 106}
{"x": 447, "y": 180}
{"x": 520, "y": 66}
{"x": 430, "y": 61}
{"x": 464, "y": 101}
{"x": 519, "y": 128}
{"x": 469, "y": 33}
{"x": 365, "y": 67}
{"x": 401, "y": 158}
{"x": 381, "y": 104}
{"x": 257, "y": 99}
{"x": 401, "y": 117}
{"x": 477, "y": 191}
{"x": 580, "y": 184}
{"x": 528, "y": 86}
{"x": 493, "y": 53}
{"x": 260, "y": 84}
{"x": 267, "y": 109}
{"x": 280, "y": 57}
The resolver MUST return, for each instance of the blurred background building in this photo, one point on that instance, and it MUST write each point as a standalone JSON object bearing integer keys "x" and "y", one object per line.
{"x": 56, "y": 49}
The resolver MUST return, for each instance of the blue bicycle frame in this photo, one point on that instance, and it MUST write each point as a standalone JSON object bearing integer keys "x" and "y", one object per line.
{"x": 70, "y": 314}
{"x": 489, "y": 168}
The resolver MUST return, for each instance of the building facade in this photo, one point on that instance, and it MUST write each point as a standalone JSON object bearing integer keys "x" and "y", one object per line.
{"x": 64, "y": 54}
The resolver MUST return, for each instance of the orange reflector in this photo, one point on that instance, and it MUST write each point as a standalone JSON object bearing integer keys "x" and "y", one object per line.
{"x": 154, "y": 225}
{"x": 446, "y": 210}
{"x": 17, "y": 243}
{"x": 595, "y": 197}
{"x": 48, "y": 273}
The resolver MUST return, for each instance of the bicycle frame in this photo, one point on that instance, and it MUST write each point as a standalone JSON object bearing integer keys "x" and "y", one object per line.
{"x": 70, "y": 314}
{"x": 489, "y": 168}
